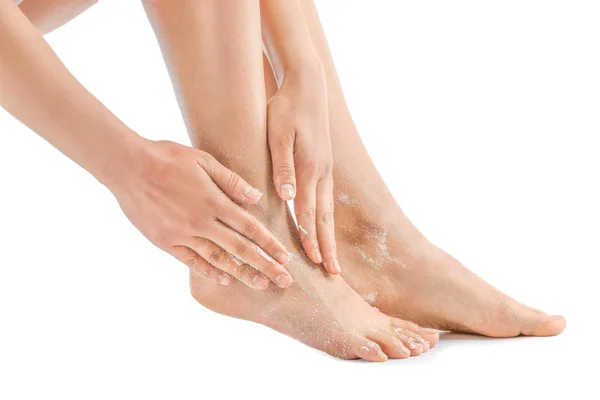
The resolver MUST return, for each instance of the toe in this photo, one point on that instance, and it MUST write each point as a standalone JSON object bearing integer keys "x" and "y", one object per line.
{"x": 415, "y": 343}
{"x": 390, "y": 344}
{"x": 534, "y": 322}
{"x": 544, "y": 325}
{"x": 430, "y": 335}
{"x": 369, "y": 350}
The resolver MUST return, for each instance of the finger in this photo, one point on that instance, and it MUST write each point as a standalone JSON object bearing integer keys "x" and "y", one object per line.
{"x": 305, "y": 209}
{"x": 230, "y": 183}
{"x": 281, "y": 145}
{"x": 198, "y": 265}
{"x": 220, "y": 259}
{"x": 242, "y": 222}
{"x": 250, "y": 253}
{"x": 325, "y": 225}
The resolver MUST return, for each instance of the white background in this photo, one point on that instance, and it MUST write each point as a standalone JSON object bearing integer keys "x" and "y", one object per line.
{"x": 484, "y": 120}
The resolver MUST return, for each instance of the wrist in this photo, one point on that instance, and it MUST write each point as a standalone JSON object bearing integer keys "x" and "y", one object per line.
{"x": 299, "y": 68}
{"x": 307, "y": 72}
{"x": 125, "y": 161}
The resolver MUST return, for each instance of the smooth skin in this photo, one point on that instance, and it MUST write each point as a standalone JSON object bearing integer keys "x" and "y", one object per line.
{"x": 319, "y": 309}
{"x": 298, "y": 129}
{"x": 409, "y": 285}
{"x": 180, "y": 198}
{"x": 414, "y": 279}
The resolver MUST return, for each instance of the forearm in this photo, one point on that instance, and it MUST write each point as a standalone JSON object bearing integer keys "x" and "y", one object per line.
{"x": 287, "y": 38}
{"x": 36, "y": 88}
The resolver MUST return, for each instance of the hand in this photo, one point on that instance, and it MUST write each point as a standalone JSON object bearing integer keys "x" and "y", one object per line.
{"x": 298, "y": 132}
{"x": 180, "y": 198}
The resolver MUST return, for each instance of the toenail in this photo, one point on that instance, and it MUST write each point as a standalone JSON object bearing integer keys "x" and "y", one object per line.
{"x": 420, "y": 340}
{"x": 398, "y": 330}
{"x": 412, "y": 345}
{"x": 428, "y": 331}
{"x": 283, "y": 281}
{"x": 402, "y": 336}
{"x": 371, "y": 345}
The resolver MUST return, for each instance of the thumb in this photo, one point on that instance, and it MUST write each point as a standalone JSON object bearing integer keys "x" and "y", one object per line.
{"x": 230, "y": 183}
{"x": 282, "y": 155}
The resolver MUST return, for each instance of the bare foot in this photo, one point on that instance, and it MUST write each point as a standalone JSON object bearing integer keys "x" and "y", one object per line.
{"x": 225, "y": 110}
{"x": 384, "y": 257}
{"x": 321, "y": 311}
{"x": 404, "y": 275}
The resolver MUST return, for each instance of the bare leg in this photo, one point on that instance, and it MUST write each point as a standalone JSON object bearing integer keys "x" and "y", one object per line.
{"x": 400, "y": 271}
{"x": 213, "y": 49}
{"x": 48, "y": 15}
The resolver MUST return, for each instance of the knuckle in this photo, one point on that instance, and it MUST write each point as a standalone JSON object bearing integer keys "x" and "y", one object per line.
{"x": 251, "y": 227}
{"x": 285, "y": 170}
{"x": 207, "y": 163}
{"x": 196, "y": 225}
{"x": 217, "y": 256}
{"x": 161, "y": 238}
{"x": 282, "y": 133}
{"x": 213, "y": 202}
{"x": 312, "y": 166}
{"x": 192, "y": 263}
{"x": 309, "y": 213}
{"x": 233, "y": 182}
{"x": 287, "y": 137}
{"x": 241, "y": 247}
{"x": 327, "y": 217}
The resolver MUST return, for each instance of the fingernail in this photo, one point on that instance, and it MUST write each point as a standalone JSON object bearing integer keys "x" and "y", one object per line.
{"x": 287, "y": 191}
{"x": 283, "y": 280}
{"x": 259, "y": 282}
{"x": 429, "y": 331}
{"x": 317, "y": 256}
{"x": 303, "y": 232}
{"x": 224, "y": 280}
{"x": 282, "y": 258}
{"x": 336, "y": 266}
{"x": 252, "y": 194}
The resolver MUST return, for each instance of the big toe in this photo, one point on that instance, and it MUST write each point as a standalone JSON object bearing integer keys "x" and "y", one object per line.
{"x": 544, "y": 325}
